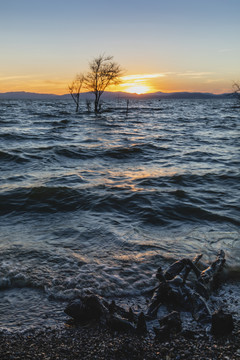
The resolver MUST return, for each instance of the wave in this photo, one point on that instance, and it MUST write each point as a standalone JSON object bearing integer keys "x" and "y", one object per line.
{"x": 118, "y": 152}
{"x": 189, "y": 181}
{"x": 39, "y": 199}
{"x": 64, "y": 277}
{"x": 18, "y": 280}
{"x": 74, "y": 152}
{"x": 145, "y": 205}
{"x": 9, "y": 157}
{"x": 123, "y": 152}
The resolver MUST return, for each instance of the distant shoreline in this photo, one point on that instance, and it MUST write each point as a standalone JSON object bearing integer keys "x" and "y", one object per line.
{"x": 22, "y": 95}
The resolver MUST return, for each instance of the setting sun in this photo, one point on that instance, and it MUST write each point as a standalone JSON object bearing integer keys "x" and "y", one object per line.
{"x": 138, "y": 83}
{"x": 138, "y": 89}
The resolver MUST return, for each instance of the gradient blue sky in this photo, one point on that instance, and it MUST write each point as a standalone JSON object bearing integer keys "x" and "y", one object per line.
{"x": 185, "y": 45}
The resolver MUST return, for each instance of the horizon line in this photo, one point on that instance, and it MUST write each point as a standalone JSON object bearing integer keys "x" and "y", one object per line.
{"x": 122, "y": 92}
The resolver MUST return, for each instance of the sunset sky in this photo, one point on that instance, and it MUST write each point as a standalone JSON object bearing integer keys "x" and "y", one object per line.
{"x": 163, "y": 45}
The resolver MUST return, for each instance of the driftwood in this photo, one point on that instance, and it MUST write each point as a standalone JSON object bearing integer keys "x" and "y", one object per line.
{"x": 174, "y": 290}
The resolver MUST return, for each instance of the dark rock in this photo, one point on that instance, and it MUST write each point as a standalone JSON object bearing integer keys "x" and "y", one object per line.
{"x": 85, "y": 309}
{"x": 222, "y": 324}
{"x": 170, "y": 324}
{"x": 130, "y": 315}
{"x": 118, "y": 324}
{"x": 172, "y": 321}
{"x": 188, "y": 334}
{"x": 94, "y": 305}
{"x": 163, "y": 333}
{"x": 141, "y": 324}
{"x": 112, "y": 307}
{"x": 75, "y": 309}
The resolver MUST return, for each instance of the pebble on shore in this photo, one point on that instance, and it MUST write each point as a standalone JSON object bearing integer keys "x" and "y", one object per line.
{"x": 96, "y": 343}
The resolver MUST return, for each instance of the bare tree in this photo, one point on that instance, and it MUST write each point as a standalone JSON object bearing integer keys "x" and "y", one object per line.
{"x": 236, "y": 88}
{"x": 103, "y": 73}
{"x": 75, "y": 89}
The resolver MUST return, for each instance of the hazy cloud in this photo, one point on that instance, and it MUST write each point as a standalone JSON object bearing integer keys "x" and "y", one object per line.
{"x": 141, "y": 76}
{"x": 54, "y": 82}
{"x": 225, "y": 50}
{"x": 15, "y": 77}
{"x": 210, "y": 81}
{"x": 195, "y": 74}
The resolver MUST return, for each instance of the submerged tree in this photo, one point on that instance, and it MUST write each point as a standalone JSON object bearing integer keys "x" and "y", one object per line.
{"x": 75, "y": 89}
{"x": 103, "y": 73}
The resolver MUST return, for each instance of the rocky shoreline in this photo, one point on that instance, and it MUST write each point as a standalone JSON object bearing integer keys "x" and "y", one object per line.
{"x": 99, "y": 329}
{"x": 79, "y": 342}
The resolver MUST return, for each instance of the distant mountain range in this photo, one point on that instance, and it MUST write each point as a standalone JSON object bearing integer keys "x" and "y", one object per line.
{"x": 22, "y": 95}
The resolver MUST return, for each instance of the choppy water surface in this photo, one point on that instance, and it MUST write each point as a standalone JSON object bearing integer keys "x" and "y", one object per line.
{"x": 99, "y": 202}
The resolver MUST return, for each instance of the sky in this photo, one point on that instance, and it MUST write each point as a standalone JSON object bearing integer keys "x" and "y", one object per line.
{"x": 162, "y": 45}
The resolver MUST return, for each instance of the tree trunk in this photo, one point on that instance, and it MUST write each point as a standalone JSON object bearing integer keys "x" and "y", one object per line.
{"x": 96, "y": 106}
{"x": 96, "y": 102}
{"x": 77, "y": 102}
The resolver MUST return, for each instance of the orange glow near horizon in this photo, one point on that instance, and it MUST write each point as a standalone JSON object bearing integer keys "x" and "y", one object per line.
{"x": 158, "y": 47}
{"x": 135, "y": 84}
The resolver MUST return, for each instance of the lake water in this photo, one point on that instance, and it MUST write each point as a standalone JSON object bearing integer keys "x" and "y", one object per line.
{"x": 98, "y": 203}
